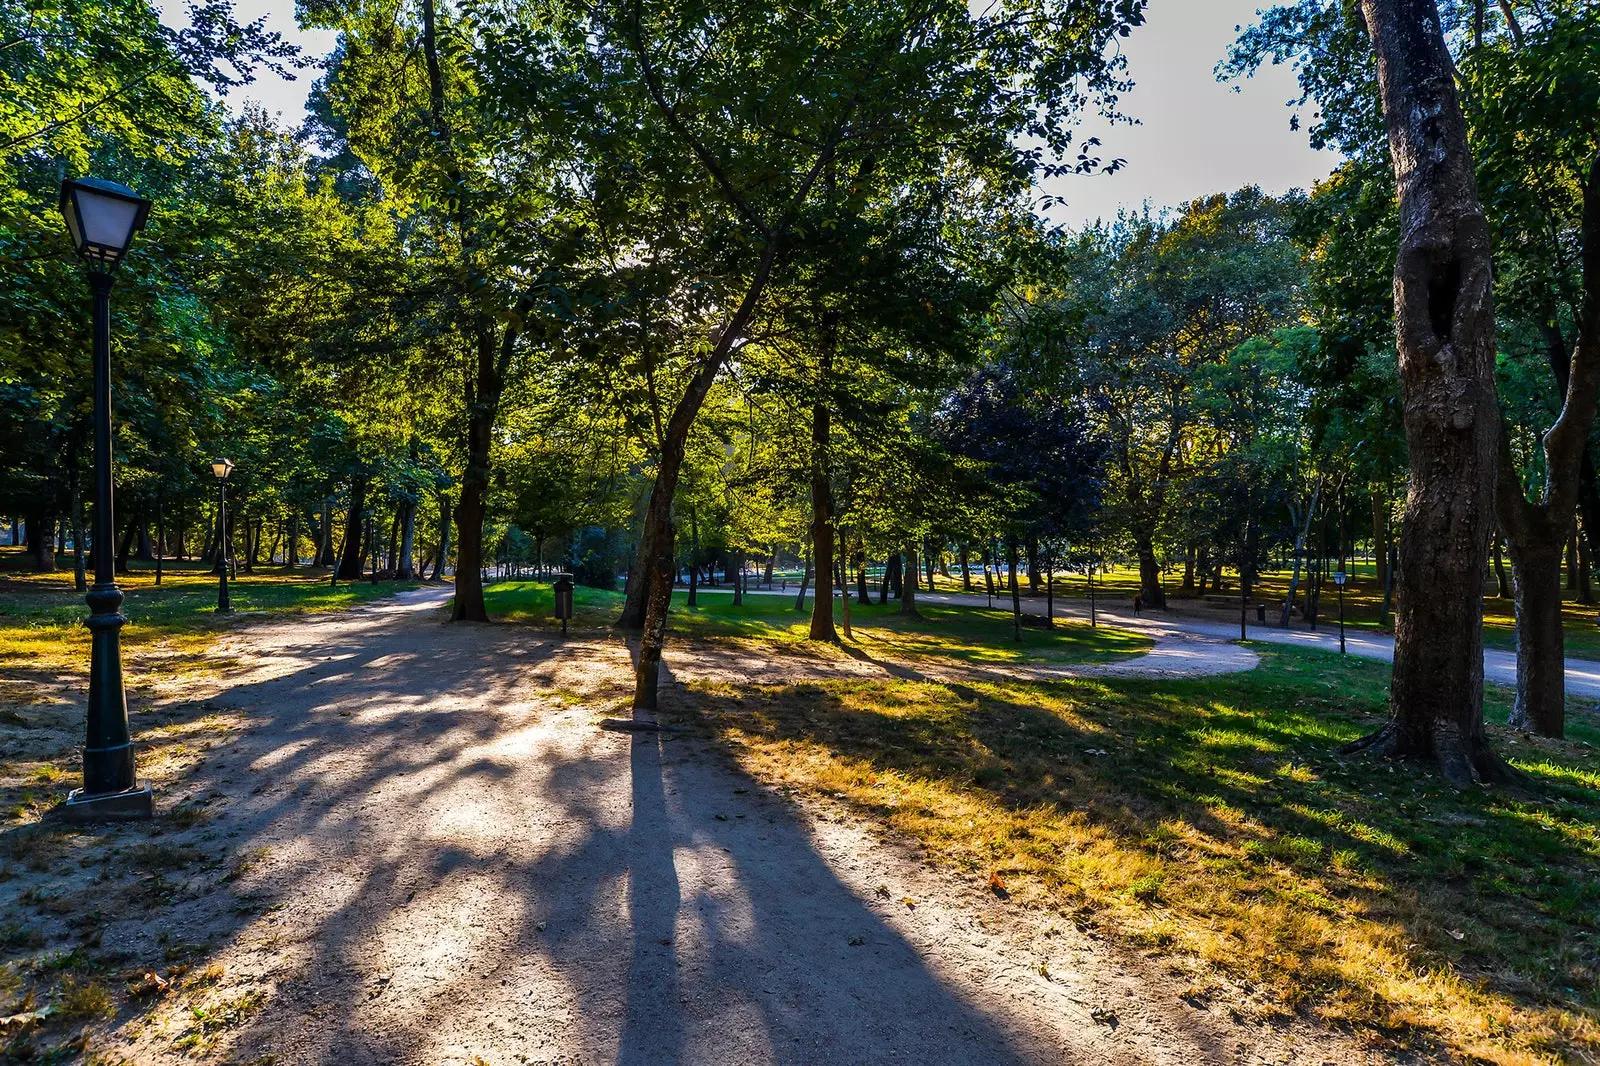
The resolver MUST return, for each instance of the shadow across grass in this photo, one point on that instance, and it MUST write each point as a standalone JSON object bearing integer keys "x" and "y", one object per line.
{"x": 1215, "y": 819}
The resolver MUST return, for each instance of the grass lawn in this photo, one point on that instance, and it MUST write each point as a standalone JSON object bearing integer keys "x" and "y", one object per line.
{"x": 971, "y": 634}
{"x": 42, "y": 615}
{"x": 1362, "y": 600}
{"x": 1215, "y": 822}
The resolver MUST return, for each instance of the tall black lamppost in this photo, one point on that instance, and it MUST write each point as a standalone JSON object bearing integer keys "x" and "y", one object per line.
{"x": 102, "y": 218}
{"x": 222, "y": 468}
{"x": 1339, "y": 579}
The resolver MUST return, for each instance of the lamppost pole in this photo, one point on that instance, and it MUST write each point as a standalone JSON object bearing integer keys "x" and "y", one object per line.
{"x": 102, "y": 218}
{"x": 1339, "y": 579}
{"x": 108, "y": 747}
{"x": 224, "y": 605}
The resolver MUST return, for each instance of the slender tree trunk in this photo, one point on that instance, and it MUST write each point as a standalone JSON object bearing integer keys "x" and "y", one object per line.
{"x": 161, "y": 538}
{"x": 844, "y": 585}
{"x": 772, "y": 560}
{"x": 694, "y": 559}
{"x": 1188, "y": 567}
{"x": 350, "y": 563}
{"x": 1300, "y": 554}
{"x": 1585, "y": 573}
{"x": 1502, "y": 582}
{"x": 966, "y": 571}
{"x": 822, "y": 627}
{"x": 1016, "y": 590}
{"x": 1444, "y": 331}
{"x": 1380, "y": 538}
{"x": 80, "y": 576}
{"x": 439, "y": 561}
{"x": 887, "y": 587}
{"x": 805, "y": 581}
{"x": 1049, "y": 593}
{"x": 325, "y": 553}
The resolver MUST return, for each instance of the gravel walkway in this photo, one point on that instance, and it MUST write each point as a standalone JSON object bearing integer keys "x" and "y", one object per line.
{"x": 451, "y": 863}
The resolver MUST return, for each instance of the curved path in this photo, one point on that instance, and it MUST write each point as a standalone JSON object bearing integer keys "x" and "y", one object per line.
{"x": 1182, "y": 637}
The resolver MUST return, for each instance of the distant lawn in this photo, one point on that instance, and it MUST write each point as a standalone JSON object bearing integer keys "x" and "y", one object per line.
{"x": 1363, "y": 601}
{"x": 972, "y": 634}
{"x": 1214, "y": 821}
{"x": 42, "y": 615}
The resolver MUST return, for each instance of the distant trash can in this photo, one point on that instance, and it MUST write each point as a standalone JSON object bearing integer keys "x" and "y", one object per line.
{"x": 1261, "y": 612}
{"x": 564, "y": 586}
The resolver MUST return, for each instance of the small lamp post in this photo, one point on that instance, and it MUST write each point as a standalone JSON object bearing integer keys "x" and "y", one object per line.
{"x": 102, "y": 218}
{"x": 1339, "y": 579}
{"x": 222, "y": 468}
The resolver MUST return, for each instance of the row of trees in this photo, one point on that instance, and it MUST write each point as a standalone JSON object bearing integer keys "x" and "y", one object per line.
{"x": 657, "y": 281}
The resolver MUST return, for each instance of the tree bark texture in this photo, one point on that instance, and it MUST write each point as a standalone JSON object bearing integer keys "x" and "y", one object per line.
{"x": 908, "y": 601}
{"x": 1445, "y": 336}
{"x": 350, "y": 560}
{"x": 822, "y": 627}
{"x": 1150, "y": 573}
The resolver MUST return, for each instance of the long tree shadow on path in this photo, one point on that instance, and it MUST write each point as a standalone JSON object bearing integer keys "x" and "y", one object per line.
{"x": 454, "y": 863}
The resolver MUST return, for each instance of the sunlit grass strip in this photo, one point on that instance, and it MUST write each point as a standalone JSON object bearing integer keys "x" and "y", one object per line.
{"x": 1348, "y": 890}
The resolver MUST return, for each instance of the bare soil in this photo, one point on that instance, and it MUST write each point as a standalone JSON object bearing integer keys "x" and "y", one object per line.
{"x": 409, "y": 842}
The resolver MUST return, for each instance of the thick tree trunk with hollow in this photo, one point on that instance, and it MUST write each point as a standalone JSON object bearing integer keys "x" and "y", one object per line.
{"x": 1444, "y": 330}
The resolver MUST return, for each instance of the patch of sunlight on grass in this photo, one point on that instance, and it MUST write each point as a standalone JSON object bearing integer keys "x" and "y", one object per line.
{"x": 1362, "y": 892}
{"x": 971, "y": 634}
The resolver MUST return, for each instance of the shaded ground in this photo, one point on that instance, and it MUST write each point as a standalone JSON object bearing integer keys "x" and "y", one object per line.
{"x": 416, "y": 847}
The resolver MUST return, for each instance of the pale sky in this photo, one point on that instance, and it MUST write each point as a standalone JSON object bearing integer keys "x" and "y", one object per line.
{"x": 1195, "y": 136}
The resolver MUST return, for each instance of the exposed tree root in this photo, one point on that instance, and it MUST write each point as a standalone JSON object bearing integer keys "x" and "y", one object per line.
{"x": 1462, "y": 761}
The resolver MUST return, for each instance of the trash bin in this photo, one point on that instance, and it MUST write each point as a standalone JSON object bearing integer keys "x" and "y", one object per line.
{"x": 564, "y": 585}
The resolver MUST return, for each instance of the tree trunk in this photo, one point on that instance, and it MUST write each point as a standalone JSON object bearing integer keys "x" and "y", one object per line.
{"x": 890, "y": 585}
{"x": 805, "y": 581}
{"x": 80, "y": 575}
{"x": 1150, "y": 573}
{"x": 966, "y": 571}
{"x": 291, "y": 550}
{"x": 1188, "y": 567}
{"x": 1585, "y": 573}
{"x": 125, "y": 549}
{"x": 1016, "y": 591}
{"x": 1572, "y": 560}
{"x": 766, "y": 574}
{"x": 1300, "y": 554}
{"x": 738, "y": 578}
{"x": 1541, "y": 646}
{"x": 325, "y": 552}
{"x": 694, "y": 559}
{"x": 1380, "y": 539}
{"x": 1445, "y": 336}
{"x": 1502, "y": 583}
{"x": 439, "y": 561}
{"x": 350, "y": 562}
{"x": 822, "y": 627}
{"x": 908, "y": 602}
{"x": 161, "y": 539}
{"x": 1033, "y": 565}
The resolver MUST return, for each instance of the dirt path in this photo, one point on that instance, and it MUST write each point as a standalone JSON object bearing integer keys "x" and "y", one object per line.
{"x": 441, "y": 859}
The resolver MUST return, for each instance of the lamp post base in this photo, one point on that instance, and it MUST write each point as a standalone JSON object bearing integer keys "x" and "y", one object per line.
{"x": 134, "y": 804}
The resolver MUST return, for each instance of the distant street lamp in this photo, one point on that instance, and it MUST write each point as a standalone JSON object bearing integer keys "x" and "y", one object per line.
{"x": 102, "y": 218}
{"x": 1339, "y": 579}
{"x": 222, "y": 468}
